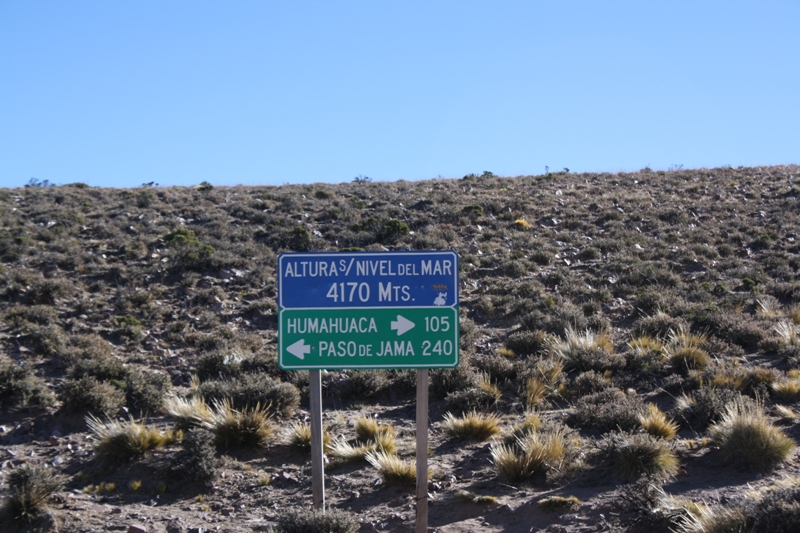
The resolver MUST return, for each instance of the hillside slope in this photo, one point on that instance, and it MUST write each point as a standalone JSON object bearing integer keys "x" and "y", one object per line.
{"x": 590, "y": 304}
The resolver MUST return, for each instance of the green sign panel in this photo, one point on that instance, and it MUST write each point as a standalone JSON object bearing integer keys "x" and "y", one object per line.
{"x": 361, "y": 338}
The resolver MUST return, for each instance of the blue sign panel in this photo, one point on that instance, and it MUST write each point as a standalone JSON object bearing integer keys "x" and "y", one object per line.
{"x": 316, "y": 280}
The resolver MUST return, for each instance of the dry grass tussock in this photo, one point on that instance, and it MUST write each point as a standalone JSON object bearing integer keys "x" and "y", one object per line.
{"x": 124, "y": 440}
{"x": 746, "y": 437}
{"x": 471, "y": 426}
{"x": 251, "y": 427}
{"x": 536, "y": 454}
{"x": 656, "y": 423}
{"x": 300, "y": 437}
{"x": 392, "y": 469}
{"x": 188, "y": 412}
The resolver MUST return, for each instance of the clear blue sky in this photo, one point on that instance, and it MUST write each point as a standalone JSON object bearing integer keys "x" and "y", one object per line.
{"x": 119, "y": 93}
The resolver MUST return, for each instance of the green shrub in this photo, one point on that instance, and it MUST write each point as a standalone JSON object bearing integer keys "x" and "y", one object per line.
{"x": 88, "y": 395}
{"x": 472, "y": 399}
{"x": 606, "y": 411}
{"x": 198, "y": 459}
{"x": 639, "y": 455}
{"x": 527, "y": 342}
{"x": 777, "y": 512}
{"x": 444, "y": 381}
{"x": 704, "y": 406}
{"x": 586, "y": 383}
{"x": 363, "y": 384}
{"x": 48, "y": 341}
{"x": 219, "y": 365}
{"x": 247, "y": 390}
{"x": 309, "y": 520}
{"x": 20, "y": 388}
{"x": 145, "y": 391}
{"x": 657, "y": 326}
{"x": 23, "y": 317}
{"x": 103, "y": 367}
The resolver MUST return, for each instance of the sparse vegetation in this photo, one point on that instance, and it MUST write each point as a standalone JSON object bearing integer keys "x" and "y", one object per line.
{"x": 589, "y": 298}
{"x": 304, "y": 520}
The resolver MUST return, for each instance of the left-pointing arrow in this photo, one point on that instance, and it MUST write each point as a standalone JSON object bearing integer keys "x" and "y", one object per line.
{"x": 299, "y": 349}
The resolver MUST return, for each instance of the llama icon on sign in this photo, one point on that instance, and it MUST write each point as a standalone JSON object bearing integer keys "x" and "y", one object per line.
{"x": 441, "y": 299}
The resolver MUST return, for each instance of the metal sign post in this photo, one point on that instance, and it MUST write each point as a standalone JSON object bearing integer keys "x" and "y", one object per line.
{"x": 369, "y": 310}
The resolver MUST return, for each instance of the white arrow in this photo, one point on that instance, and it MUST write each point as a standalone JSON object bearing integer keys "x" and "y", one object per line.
{"x": 299, "y": 349}
{"x": 402, "y": 325}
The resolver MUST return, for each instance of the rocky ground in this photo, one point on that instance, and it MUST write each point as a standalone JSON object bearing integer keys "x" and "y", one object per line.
{"x": 142, "y": 290}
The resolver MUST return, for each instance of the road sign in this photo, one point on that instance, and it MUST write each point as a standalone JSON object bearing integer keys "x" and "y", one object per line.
{"x": 341, "y": 280}
{"x": 340, "y": 310}
{"x": 362, "y": 338}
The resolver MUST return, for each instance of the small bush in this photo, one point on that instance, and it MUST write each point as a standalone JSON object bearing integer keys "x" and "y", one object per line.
{"x": 471, "y": 426}
{"x": 247, "y": 390}
{"x": 473, "y": 399}
{"x": 638, "y": 455}
{"x": 586, "y": 351}
{"x": 29, "y": 489}
{"x": 363, "y": 384}
{"x": 528, "y": 342}
{"x": 658, "y": 326}
{"x": 307, "y": 520}
{"x": 219, "y": 365}
{"x": 198, "y": 459}
{"x": 444, "y": 381}
{"x": 145, "y": 391}
{"x": 590, "y": 382}
{"x": 747, "y": 438}
{"x": 606, "y": 411}
{"x": 778, "y": 511}
{"x": 704, "y": 406}
{"x": 103, "y": 366}
{"x": 20, "y": 388}
{"x": 88, "y": 395}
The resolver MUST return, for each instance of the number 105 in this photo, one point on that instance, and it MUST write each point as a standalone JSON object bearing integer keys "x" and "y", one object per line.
{"x": 437, "y": 323}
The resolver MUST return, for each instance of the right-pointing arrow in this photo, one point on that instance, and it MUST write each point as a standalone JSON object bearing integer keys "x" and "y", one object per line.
{"x": 299, "y": 349}
{"x": 402, "y": 324}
